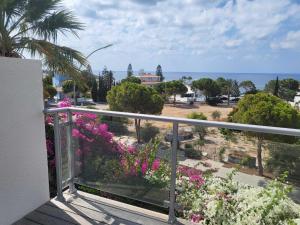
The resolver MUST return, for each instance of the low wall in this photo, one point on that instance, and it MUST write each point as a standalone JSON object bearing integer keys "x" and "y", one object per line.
{"x": 23, "y": 158}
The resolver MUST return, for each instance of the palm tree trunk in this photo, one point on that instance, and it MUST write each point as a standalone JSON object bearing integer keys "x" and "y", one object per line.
{"x": 259, "y": 156}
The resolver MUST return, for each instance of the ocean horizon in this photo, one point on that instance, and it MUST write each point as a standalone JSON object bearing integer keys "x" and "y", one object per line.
{"x": 259, "y": 79}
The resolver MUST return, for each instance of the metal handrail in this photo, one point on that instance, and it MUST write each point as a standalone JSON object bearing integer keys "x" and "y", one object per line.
{"x": 205, "y": 123}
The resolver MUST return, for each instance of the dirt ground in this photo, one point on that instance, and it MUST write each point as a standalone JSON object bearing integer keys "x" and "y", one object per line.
{"x": 182, "y": 110}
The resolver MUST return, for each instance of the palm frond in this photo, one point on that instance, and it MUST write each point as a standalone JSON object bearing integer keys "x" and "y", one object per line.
{"x": 60, "y": 59}
{"x": 61, "y": 21}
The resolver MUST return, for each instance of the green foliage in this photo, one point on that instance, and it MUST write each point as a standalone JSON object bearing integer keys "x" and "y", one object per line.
{"x": 132, "y": 79}
{"x": 285, "y": 89}
{"x": 106, "y": 82}
{"x": 216, "y": 114}
{"x": 159, "y": 72}
{"x": 248, "y": 86}
{"x": 268, "y": 110}
{"x": 149, "y": 132}
{"x": 175, "y": 87}
{"x": 129, "y": 71}
{"x": 67, "y": 86}
{"x": 136, "y": 98}
{"x": 228, "y": 134}
{"x": 265, "y": 109}
{"x": 284, "y": 157}
{"x": 192, "y": 153}
{"x": 228, "y": 87}
{"x": 48, "y": 90}
{"x": 117, "y": 125}
{"x": 221, "y": 153}
{"x": 47, "y": 80}
{"x": 33, "y": 27}
{"x": 200, "y": 130}
{"x": 209, "y": 87}
{"x": 197, "y": 116}
{"x": 94, "y": 91}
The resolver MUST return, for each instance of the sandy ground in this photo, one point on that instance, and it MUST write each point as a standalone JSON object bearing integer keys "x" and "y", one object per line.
{"x": 182, "y": 110}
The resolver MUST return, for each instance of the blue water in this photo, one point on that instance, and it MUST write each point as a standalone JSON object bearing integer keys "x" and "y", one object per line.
{"x": 259, "y": 79}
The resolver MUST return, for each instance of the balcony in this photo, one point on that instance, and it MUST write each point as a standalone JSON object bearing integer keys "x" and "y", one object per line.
{"x": 176, "y": 166}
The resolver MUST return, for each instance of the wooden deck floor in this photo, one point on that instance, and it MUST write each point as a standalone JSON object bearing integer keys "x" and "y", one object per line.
{"x": 87, "y": 209}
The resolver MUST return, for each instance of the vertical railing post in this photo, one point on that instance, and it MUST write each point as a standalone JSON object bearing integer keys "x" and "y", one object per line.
{"x": 58, "y": 158}
{"x": 71, "y": 153}
{"x": 172, "y": 217}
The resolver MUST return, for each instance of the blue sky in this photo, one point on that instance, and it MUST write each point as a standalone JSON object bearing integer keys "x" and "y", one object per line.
{"x": 190, "y": 35}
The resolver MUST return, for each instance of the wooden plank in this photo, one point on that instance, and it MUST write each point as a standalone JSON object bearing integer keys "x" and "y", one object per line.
{"x": 94, "y": 209}
{"x": 70, "y": 213}
{"x": 25, "y": 222}
{"x": 119, "y": 205}
{"x": 46, "y": 219}
{"x": 99, "y": 215}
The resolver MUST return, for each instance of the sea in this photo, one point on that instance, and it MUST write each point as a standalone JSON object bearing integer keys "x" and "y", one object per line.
{"x": 259, "y": 79}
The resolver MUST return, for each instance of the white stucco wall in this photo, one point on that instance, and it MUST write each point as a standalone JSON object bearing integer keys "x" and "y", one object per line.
{"x": 23, "y": 159}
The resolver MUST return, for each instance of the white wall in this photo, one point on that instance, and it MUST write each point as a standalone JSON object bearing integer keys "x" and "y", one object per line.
{"x": 23, "y": 159}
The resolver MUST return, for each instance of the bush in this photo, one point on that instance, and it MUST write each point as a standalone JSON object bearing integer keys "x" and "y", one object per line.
{"x": 117, "y": 125}
{"x": 221, "y": 153}
{"x": 149, "y": 132}
{"x": 216, "y": 115}
{"x": 202, "y": 131}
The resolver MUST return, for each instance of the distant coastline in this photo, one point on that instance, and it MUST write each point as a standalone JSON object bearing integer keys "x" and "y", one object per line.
{"x": 259, "y": 79}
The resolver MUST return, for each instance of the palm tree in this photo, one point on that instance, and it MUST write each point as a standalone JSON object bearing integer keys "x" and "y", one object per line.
{"x": 33, "y": 26}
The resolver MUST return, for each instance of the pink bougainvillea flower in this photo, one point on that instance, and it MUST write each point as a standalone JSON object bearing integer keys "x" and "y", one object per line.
{"x": 131, "y": 149}
{"x": 144, "y": 167}
{"x": 155, "y": 164}
{"x": 78, "y": 152}
{"x": 197, "y": 180}
{"x": 66, "y": 102}
{"x": 196, "y": 218}
{"x": 75, "y": 133}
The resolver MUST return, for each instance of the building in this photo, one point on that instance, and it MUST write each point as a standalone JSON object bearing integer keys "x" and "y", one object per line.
{"x": 149, "y": 79}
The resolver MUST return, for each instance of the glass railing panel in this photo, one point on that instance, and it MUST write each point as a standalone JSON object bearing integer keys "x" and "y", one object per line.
{"x": 123, "y": 157}
{"x": 220, "y": 171}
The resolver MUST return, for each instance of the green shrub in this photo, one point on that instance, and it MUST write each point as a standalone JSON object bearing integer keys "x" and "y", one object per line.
{"x": 149, "y": 132}
{"x": 216, "y": 115}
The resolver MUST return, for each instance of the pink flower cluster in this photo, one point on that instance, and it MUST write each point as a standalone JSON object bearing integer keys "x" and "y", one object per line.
{"x": 66, "y": 102}
{"x": 196, "y": 218}
{"x": 194, "y": 175}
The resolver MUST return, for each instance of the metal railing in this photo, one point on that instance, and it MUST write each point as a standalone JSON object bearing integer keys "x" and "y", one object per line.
{"x": 175, "y": 121}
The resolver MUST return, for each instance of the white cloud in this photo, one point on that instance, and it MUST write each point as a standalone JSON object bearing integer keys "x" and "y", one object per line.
{"x": 291, "y": 41}
{"x": 195, "y": 27}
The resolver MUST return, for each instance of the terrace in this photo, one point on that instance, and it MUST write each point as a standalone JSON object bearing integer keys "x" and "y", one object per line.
{"x": 93, "y": 160}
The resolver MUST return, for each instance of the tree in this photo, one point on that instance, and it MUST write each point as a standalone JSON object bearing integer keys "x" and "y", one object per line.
{"x": 94, "y": 91}
{"x": 175, "y": 87}
{"x": 101, "y": 89}
{"x": 129, "y": 71}
{"x": 48, "y": 90}
{"x": 248, "y": 86}
{"x": 268, "y": 110}
{"x": 132, "y": 79}
{"x": 209, "y": 87}
{"x": 235, "y": 91}
{"x": 285, "y": 89}
{"x": 67, "y": 86}
{"x": 276, "y": 88}
{"x": 159, "y": 73}
{"x": 33, "y": 27}
{"x": 200, "y": 130}
{"x": 135, "y": 98}
{"x": 186, "y": 79}
{"x": 106, "y": 81}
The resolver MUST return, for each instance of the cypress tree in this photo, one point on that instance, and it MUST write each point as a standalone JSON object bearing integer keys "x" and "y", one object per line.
{"x": 276, "y": 88}
{"x": 159, "y": 72}
{"x": 129, "y": 71}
